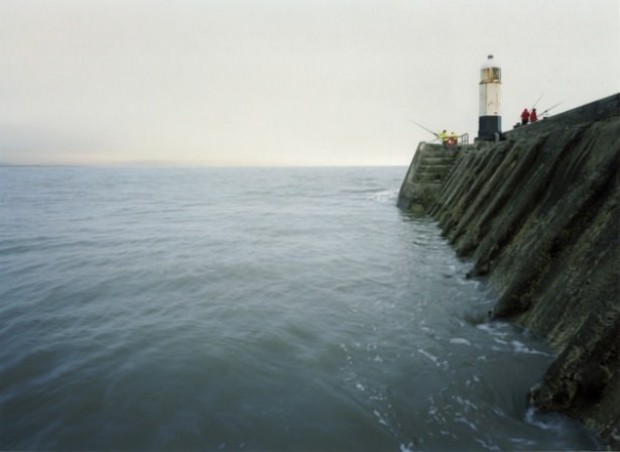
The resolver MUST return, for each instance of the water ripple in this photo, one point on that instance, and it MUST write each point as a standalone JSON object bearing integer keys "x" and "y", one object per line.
{"x": 259, "y": 309}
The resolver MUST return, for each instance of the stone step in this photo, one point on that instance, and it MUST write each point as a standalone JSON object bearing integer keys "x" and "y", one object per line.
{"x": 438, "y": 160}
{"x": 434, "y": 171}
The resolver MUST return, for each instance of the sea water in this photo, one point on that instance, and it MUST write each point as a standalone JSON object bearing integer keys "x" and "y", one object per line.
{"x": 250, "y": 309}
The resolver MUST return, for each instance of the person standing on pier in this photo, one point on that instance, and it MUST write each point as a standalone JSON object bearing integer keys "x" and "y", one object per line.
{"x": 443, "y": 137}
{"x": 525, "y": 117}
{"x": 533, "y": 115}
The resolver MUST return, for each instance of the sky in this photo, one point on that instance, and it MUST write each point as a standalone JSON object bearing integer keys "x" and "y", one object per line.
{"x": 283, "y": 82}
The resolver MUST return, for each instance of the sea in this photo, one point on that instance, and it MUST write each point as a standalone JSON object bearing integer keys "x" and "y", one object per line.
{"x": 259, "y": 309}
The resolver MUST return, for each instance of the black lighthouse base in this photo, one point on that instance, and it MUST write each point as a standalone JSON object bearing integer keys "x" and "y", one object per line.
{"x": 489, "y": 128}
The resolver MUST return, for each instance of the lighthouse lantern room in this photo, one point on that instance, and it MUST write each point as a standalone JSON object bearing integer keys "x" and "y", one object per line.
{"x": 490, "y": 119}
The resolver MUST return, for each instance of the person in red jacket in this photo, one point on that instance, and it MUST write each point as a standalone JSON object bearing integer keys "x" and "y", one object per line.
{"x": 533, "y": 115}
{"x": 525, "y": 117}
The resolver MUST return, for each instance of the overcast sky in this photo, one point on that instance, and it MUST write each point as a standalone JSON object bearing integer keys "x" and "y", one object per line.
{"x": 282, "y": 82}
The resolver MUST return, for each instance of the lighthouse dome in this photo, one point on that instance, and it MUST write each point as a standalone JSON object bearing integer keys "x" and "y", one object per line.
{"x": 490, "y": 62}
{"x": 490, "y": 72}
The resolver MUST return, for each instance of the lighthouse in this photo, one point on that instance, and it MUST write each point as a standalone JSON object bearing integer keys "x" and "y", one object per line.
{"x": 490, "y": 119}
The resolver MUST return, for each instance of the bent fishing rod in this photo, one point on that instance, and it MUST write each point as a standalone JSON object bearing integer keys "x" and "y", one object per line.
{"x": 536, "y": 103}
{"x": 426, "y": 128}
{"x": 549, "y": 109}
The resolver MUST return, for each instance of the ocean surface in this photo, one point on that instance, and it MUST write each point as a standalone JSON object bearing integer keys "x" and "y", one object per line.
{"x": 250, "y": 309}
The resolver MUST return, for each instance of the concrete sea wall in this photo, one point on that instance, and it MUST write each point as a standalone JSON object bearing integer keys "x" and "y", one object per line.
{"x": 539, "y": 215}
{"x": 430, "y": 166}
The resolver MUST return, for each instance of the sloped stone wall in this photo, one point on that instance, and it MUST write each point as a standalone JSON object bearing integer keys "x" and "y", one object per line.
{"x": 539, "y": 215}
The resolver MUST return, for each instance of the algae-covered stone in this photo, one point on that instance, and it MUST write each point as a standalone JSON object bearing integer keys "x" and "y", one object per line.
{"x": 539, "y": 215}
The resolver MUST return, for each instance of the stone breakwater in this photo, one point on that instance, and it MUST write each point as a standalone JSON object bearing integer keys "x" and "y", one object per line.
{"x": 538, "y": 213}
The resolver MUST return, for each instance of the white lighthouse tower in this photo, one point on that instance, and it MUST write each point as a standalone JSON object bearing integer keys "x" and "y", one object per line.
{"x": 490, "y": 119}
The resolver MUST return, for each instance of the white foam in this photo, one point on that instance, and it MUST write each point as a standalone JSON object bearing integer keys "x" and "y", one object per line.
{"x": 460, "y": 340}
{"x": 531, "y": 418}
{"x": 523, "y": 443}
{"x": 446, "y": 433}
{"x": 519, "y": 347}
{"x": 492, "y": 328}
{"x": 465, "y": 421}
{"x": 486, "y": 445}
{"x": 382, "y": 421}
{"x": 466, "y": 403}
{"x": 384, "y": 196}
{"x": 433, "y": 358}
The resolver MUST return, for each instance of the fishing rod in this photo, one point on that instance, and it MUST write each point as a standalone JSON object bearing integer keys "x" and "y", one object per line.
{"x": 426, "y": 128}
{"x": 549, "y": 109}
{"x": 536, "y": 103}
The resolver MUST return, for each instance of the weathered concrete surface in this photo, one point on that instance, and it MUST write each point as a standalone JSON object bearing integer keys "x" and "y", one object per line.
{"x": 539, "y": 215}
